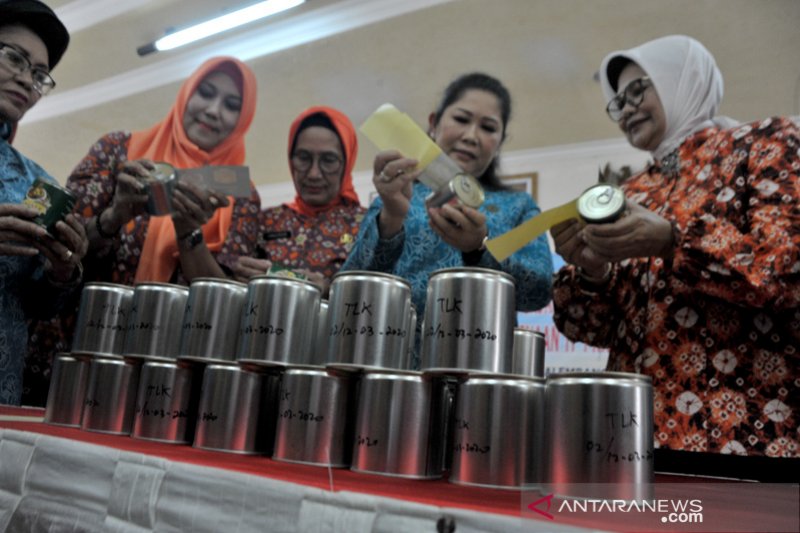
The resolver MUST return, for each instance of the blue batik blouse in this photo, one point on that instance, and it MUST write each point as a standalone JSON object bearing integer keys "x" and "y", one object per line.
{"x": 24, "y": 290}
{"x": 417, "y": 251}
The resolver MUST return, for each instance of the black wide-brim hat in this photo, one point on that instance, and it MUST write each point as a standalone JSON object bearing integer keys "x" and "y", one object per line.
{"x": 41, "y": 20}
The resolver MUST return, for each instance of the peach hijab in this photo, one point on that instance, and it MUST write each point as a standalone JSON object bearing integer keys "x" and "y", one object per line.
{"x": 167, "y": 141}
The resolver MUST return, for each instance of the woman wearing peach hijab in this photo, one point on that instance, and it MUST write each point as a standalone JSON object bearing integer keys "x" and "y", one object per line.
{"x": 206, "y": 230}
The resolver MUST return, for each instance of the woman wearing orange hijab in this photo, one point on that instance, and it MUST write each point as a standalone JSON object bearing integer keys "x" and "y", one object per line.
{"x": 205, "y": 126}
{"x": 314, "y": 233}
{"x": 205, "y": 232}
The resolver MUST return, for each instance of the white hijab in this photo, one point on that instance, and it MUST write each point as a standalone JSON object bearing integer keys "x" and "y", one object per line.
{"x": 686, "y": 78}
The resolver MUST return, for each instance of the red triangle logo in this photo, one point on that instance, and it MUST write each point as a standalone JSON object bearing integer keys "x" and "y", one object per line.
{"x": 549, "y": 500}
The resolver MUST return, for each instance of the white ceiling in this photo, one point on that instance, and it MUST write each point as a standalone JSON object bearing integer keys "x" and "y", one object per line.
{"x": 317, "y": 20}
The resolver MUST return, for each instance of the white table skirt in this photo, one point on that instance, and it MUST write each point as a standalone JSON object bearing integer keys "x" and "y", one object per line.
{"x": 54, "y": 484}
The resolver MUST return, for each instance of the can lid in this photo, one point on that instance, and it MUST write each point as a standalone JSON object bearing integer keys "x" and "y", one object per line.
{"x": 367, "y": 275}
{"x": 599, "y": 376}
{"x": 163, "y": 172}
{"x": 468, "y": 190}
{"x": 217, "y": 281}
{"x": 601, "y": 203}
{"x": 160, "y": 285}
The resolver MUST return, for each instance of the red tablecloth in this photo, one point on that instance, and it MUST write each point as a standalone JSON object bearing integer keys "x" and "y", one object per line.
{"x": 736, "y": 506}
{"x": 431, "y": 492}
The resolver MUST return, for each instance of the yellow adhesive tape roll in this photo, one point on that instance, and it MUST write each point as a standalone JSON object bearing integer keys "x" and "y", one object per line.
{"x": 391, "y": 129}
{"x": 509, "y": 242}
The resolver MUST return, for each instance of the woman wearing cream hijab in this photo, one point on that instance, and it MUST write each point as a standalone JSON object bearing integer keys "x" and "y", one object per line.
{"x": 697, "y": 284}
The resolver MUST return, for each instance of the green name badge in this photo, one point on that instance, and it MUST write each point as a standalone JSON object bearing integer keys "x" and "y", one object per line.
{"x": 283, "y": 272}
{"x": 52, "y": 202}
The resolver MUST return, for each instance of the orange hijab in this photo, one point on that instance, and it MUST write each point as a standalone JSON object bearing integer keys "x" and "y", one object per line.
{"x": 167, "y": 142}
{"x": 347, "y": 135}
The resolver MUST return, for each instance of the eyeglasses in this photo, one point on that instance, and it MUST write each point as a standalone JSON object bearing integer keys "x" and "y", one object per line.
{"x": 328, "y": 163}
{"x": 17, "y": 63}
{"x": 633, "y": 95}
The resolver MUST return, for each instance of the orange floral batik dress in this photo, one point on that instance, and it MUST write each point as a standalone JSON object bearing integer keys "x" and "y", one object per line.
{"x": 718, "y": 326}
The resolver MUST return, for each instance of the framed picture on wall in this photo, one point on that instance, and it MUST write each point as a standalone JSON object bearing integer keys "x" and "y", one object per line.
{"x": 522, "y": 182}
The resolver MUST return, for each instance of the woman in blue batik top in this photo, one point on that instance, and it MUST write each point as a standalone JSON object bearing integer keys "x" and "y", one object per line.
{"x": 400, "y": 236}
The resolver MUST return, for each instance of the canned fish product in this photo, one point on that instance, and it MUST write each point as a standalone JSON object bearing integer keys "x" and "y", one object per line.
{"x": 463, "y": 189}
{"x": 52, "y": 202}
{"x": 159, "y": 187}
{"x": 601, "y": 203}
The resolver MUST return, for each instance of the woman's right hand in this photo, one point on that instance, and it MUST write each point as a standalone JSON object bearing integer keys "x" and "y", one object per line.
{"x": 130, "y": 196}
{"x": 570, "y": 245}
{"x": 393, "y": 178}
{"x": 248, "y": 267}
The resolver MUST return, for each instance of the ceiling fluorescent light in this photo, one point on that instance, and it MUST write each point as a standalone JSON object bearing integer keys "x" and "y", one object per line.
{"x": 219, "y": 25}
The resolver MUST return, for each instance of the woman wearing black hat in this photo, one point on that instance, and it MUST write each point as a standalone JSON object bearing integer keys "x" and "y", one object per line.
{"x": 37, "y": 268}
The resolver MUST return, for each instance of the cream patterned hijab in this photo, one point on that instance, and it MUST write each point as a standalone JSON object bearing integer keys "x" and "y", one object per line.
{"x": 687, "y": 81}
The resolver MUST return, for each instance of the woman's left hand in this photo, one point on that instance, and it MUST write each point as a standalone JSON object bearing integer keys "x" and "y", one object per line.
{"x": 64, "y": 251}
{"x": 318, "y": 279}
{"x": 192, "y": 207}
{"x": 639, "y": 233}
{"x": 459, "y": 226}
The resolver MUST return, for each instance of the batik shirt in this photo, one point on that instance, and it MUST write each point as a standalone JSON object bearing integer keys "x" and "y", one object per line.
{"x": 24, "y": 289}
{"x": 416, "y": 252}
{"x": 319, "y": 243}
{"x": 717, "y": 327}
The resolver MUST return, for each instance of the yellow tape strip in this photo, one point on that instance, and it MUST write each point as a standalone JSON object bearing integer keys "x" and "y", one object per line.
{"x": 509, "y": 242}
{"x": 391, "y": 129}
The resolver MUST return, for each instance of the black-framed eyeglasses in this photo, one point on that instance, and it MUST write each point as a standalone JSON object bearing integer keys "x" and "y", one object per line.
{"x": 633, "y": 94}
{"x": 329, "y": 163}
{"x": 12, "y": 60}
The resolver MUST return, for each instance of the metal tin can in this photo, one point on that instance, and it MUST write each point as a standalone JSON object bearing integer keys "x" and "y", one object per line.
{"x": 601, "y": 203}
{"x": 52, "y": 202}
{"x": 468, "y": 324}
{"x": 159, "y": 186}
{"x": 528, "y": 358}
{"x": 234, "y": 413}
{"x": 462, "y": 189}
{"x": 497, "y": 431}
{"x": 103, "y": 317}
{"x": 279, "y": 321}
{"x": 320, "y": 354}
{"x": 400, "y": 424}
{"x": 315, "y": 422}
{"x": 156, "y": 320}
{"x": 599, "y": 431}
{"x": 165, "y": 408}
{"x": 368, "y": 318}
{"x": 67, "y": 389}
{"x": 211, "y": 320}
{"x": 110, "y": 396}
